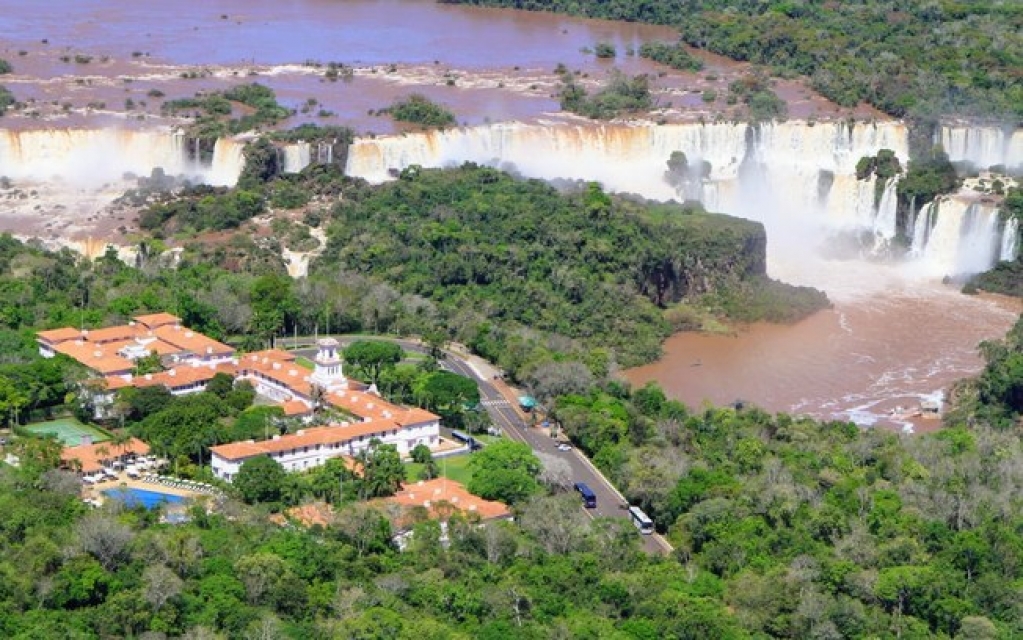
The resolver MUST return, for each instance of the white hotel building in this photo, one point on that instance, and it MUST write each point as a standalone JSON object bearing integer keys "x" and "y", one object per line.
{"x": 374, "y": 417}
{"x": 196, "y": 359}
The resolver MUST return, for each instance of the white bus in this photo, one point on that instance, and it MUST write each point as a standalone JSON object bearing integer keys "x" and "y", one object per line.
{"x": 642, "y": 522}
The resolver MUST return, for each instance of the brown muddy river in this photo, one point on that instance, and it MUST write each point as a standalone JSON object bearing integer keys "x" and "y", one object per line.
{"x": 78, "y": 63}
{"x": 871, "y": 359}
{"x": 351, "y": 31}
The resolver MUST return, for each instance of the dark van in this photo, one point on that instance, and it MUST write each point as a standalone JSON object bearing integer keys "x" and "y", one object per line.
{"x": 589, "y": 498}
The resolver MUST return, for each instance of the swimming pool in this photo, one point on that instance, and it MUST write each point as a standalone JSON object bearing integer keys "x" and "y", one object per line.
{"x": 148, "y": 499}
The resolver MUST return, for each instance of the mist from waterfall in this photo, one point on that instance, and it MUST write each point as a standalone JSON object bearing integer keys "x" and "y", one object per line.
{"x": 91, "y": 157}
{"x": 798, "y": 178}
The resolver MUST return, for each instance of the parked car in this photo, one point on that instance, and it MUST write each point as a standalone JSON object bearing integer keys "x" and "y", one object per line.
{"x": 564, "y": 447}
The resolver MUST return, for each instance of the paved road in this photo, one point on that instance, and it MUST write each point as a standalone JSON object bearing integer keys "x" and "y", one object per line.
{"x": 610, "y": 503}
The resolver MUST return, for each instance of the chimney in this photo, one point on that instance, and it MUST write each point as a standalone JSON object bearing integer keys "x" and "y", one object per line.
{"x": 172, "y": 373}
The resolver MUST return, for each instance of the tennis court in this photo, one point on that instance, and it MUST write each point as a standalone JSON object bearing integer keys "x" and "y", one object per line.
{"x": 68, "y": 430}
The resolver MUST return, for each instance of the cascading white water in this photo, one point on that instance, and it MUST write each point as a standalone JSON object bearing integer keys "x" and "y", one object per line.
{"x": 885, "y": 220}
{"x": 922, "y": 228}
{"x": 1010, "y": 240}
{"x": 798, "y": 178}
{"x": 983, "y": 147}
{"x": 296, "y": 157}
{"x": 84, "y": 156}
{"x": 956, "y": 235}
{"x": 228, "y": 161}
{"x": 89, "y": 157}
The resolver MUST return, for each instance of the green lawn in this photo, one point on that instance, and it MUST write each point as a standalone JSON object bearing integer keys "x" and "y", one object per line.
{"x": 486, "y": 438}
{"x": 454, "y": 468}
{"x": 305, "y": 362}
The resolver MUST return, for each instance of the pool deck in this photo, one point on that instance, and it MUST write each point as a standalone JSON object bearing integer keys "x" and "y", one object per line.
{"x": 95, "y": 491}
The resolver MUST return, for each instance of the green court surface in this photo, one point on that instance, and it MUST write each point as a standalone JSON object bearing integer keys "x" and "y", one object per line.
{"x": 68, "y": 430}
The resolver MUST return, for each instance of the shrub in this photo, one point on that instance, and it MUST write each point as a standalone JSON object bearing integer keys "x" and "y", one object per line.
{"x": 418, "y": 109}
{"x": 605, "y": 50}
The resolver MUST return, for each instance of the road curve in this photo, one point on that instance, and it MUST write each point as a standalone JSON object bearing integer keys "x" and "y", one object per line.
{"x": 610, "y": 503}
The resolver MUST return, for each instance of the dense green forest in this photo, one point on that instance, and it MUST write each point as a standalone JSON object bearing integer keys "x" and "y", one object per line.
{"x": 783, "y": 528}
{"x": 498, "y": 257}
{"x": 513, "y": 268}
{"x": 915, "y": 59}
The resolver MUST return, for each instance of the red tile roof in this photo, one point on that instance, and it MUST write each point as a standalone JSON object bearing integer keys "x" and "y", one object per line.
{"x": 154, "y": 320}
{"x": 110, "y": 334}
{"x": 294, "y": 408}
{"x": 336, "y": 434}
{"x": 97, "y": 357}
{"x": 307, "y": 515}
{"x": 90, "y": 459}
{"x": 55, "y": 336}
{"x": 188, "y": 340}
{"x": 427, "y": 493}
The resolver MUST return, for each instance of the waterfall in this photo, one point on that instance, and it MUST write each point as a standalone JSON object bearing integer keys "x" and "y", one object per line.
{"x": 922, "y": 228}
{"x": 325, "y": 152}
{"x": 296, "y": 157}
{"x": 885, "y": 220}
{"x": 91, "y": 156}
{"x": 983, "y": 147}
{"x": 956, "y": 235}
{"x": 798, "y": 178}
{"x": 1010, "y": 240}
{"x": 228, "y": 162}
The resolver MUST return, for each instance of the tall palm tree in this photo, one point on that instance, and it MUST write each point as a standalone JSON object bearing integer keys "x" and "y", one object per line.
{"x": 318, "y": 396}
{"x": 121, "y": 440}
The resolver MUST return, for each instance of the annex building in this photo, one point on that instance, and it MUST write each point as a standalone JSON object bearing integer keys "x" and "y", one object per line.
{"x": 192, "y": 360}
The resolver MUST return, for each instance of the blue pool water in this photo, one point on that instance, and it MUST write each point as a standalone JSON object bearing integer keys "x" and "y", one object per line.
{"x": 148, "y": 499}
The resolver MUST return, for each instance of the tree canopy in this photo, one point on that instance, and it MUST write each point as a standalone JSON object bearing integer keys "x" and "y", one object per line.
{"x": 373, "y": 356}
{"x": 260, "y": 479}
{"x": 506, "y": 471}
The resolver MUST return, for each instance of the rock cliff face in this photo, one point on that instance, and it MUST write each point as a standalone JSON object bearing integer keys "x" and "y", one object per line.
{"x": 713, "y": 253}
